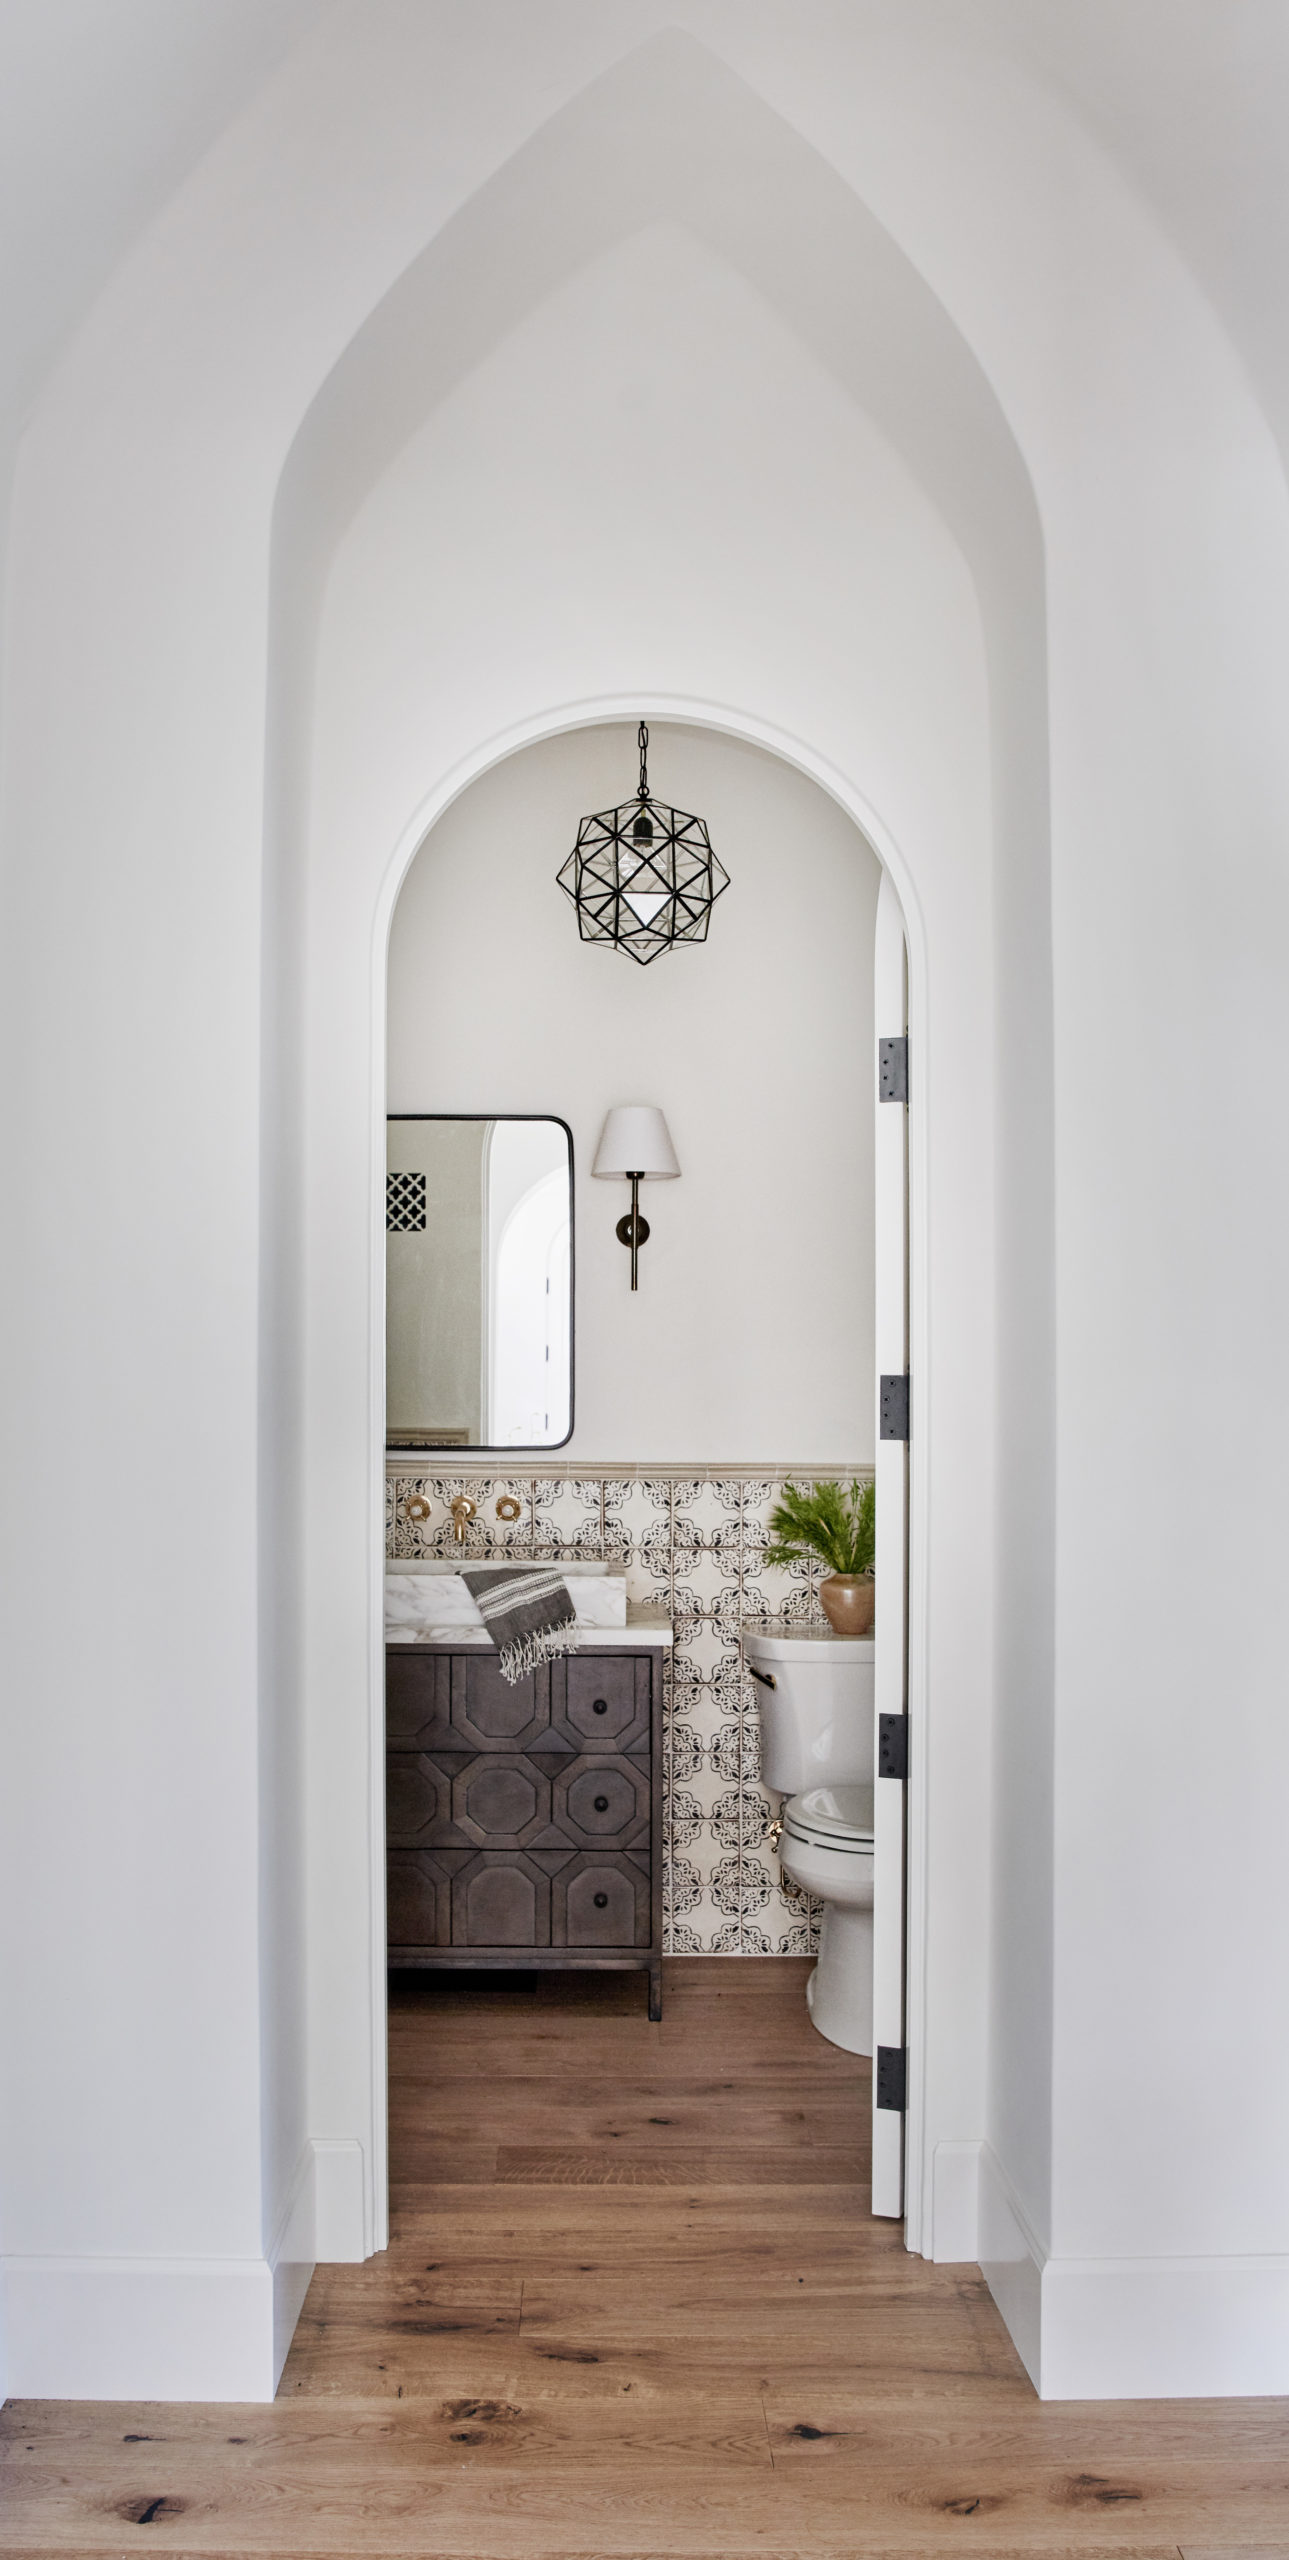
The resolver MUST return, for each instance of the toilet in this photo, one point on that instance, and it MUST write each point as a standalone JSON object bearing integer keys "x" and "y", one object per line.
{"x": 815, "y": 1696}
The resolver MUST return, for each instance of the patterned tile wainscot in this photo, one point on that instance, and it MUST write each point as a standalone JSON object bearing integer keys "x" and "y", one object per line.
{"x": 692, "y": 1540}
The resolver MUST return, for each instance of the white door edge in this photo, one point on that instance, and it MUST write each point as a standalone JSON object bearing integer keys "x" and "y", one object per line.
{"x": 890, "y": 1683}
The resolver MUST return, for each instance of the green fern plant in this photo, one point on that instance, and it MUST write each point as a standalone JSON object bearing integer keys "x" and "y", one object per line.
{"x": 837, "y": 1523}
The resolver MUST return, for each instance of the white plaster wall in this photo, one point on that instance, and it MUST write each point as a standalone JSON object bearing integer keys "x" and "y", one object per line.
{"x": 474, "y": 573}
{"x": 1171, "y": 913}
{"x": 751, "y": 1333}
{"x": 814, "y": 260}
{"x": 1166, "y": 531}
{"x": 134, "y": 800}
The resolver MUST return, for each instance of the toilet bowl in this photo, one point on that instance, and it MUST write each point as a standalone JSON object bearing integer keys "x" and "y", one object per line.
{"x": 826, "y": 1846}
{"x": 815, "y": 1698}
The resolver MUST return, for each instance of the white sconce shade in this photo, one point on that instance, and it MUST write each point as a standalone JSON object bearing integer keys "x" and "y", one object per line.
{"x": 635, "y": 1143}
{"x": 635, "y": 1139}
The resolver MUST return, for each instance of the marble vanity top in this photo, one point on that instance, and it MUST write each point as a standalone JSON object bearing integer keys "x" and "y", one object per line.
{"x": 427, "y": 1602}
{"x": 643, "y": 1626}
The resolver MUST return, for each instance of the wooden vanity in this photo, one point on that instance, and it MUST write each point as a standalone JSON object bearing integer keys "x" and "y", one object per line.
{"x": 524, "y": 1825}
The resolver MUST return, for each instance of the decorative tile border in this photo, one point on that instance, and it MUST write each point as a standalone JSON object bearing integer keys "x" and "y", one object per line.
{"x": 692, "y": 1541}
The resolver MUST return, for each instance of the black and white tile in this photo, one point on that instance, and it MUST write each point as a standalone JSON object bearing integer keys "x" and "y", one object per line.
{"x": 692, "y": 1542}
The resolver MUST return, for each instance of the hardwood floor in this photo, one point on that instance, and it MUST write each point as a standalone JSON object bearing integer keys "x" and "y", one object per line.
{"x": 634, "y": 2305}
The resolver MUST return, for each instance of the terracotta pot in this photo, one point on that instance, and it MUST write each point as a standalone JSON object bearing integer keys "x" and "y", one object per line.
{"x": 847, "y": 1601}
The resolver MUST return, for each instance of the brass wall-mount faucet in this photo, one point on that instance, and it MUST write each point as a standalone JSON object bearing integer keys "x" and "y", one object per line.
{"x": 463, "y": 1511}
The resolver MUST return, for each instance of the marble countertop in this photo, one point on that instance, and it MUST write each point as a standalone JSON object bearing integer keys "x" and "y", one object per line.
{"x": 643, "y": 1627}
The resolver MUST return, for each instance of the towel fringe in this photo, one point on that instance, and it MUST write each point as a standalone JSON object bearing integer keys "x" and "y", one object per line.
{"x": 528, "y": 1653}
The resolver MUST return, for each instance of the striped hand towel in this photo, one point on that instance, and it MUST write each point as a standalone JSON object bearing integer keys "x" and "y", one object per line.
{"x": 529, "y": 1616}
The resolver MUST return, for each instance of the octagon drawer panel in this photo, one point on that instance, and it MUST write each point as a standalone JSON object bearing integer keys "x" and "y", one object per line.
{"x": 488, "y": 1714}
{"x": 418, "y": 1884}
{"x": 502, "y": 1898}
{"x": 502, "y": 1800}
{"x": 418, "y": 1799}
{"x": 418, "y": 1698}
{"x": 597, "y": 1801}
{"x": 601, "y": 1703}
{"x": 601, "y": 1899}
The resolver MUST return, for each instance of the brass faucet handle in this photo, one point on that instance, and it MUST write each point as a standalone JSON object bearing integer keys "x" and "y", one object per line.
{"x": 507, "y": 1507}
{"x": 416, "y": 1507}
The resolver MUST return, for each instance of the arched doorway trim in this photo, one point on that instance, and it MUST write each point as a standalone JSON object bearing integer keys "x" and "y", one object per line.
{"x": 754, "y": 730}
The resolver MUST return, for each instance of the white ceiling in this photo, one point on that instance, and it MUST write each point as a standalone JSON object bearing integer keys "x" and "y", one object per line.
{"x": 1191, "y": 98}
{"x": 104, "y": 104}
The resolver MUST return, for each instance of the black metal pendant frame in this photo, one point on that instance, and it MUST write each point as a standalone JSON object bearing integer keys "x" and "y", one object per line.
{"x": 643, "y": 877}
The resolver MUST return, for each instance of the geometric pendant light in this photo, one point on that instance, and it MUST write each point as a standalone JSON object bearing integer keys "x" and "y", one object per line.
{"x": 643, "y": 877}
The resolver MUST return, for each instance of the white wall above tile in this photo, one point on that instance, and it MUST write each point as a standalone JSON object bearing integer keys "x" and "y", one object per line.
{"x": 752, "y": 1326}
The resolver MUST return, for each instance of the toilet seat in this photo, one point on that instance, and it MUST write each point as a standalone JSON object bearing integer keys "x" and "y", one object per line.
{"x": 833, "y": 1818}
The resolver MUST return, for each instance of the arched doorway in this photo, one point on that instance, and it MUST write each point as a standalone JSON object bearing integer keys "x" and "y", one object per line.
{"x": 419, "y": 836}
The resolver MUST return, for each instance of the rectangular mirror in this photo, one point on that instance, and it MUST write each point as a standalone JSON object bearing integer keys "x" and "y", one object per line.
{"x": 479, "y": 1283}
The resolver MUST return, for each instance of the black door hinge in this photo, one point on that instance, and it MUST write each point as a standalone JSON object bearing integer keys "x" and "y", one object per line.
{"x": 892, "y": 2077}
{"x": 893, "y": 1069}
{"x": 893, "y": 1423}
{"x": 892, "y": 1746}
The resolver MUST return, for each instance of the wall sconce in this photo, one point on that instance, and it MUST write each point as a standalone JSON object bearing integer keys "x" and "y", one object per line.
{"x": 635, "y": 1145}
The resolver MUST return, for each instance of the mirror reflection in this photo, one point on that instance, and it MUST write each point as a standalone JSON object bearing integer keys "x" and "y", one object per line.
{"x": 479, "y": 1283}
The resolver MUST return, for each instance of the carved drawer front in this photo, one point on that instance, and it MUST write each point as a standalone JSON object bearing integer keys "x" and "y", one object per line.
{"x": 503, "y": 1801}
{"x": 502, "y": 1898}
{"x": 601, "y": 1899}
{"x": 419, "y": 1890}
{"x": 601, "y": 1704}
{"x": 418, "y": 1698}
{"x": 596, "y": 1801}
{"x": 488, "y": 1715}
{"x": 520, "y": 1821}
{"x": 418, "y": 1798}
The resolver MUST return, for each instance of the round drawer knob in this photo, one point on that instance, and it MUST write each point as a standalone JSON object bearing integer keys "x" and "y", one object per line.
{"x": 601, "y": 1707}
{"x": 601, "y": 1804}
{"x": 601, "y": 1902}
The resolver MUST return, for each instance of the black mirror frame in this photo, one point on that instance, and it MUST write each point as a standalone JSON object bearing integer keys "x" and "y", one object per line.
{"x": 488, "y": 1448}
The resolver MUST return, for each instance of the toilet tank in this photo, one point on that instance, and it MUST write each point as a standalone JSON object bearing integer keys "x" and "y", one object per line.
{"x": 814, "y": 1693}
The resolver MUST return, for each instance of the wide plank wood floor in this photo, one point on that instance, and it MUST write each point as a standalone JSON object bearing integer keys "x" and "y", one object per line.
{"x": 634, "y": 2305}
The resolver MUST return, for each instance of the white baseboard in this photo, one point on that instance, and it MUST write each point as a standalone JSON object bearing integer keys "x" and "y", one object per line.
{"x": 292, "y": 2256}
{"x": 340, "y": 2236}
{"x": 955, "y": 2203}
{"x": 139, "y": 2328}
{"x": 291, "y": 2281}
{"x": 181, "y": 2328}
{"x": 1133, "y": 2328}
{"x": 1011, "y": 2262}
{"x": 324, "y": 2221}
{"x": 1165, "y": 2328}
